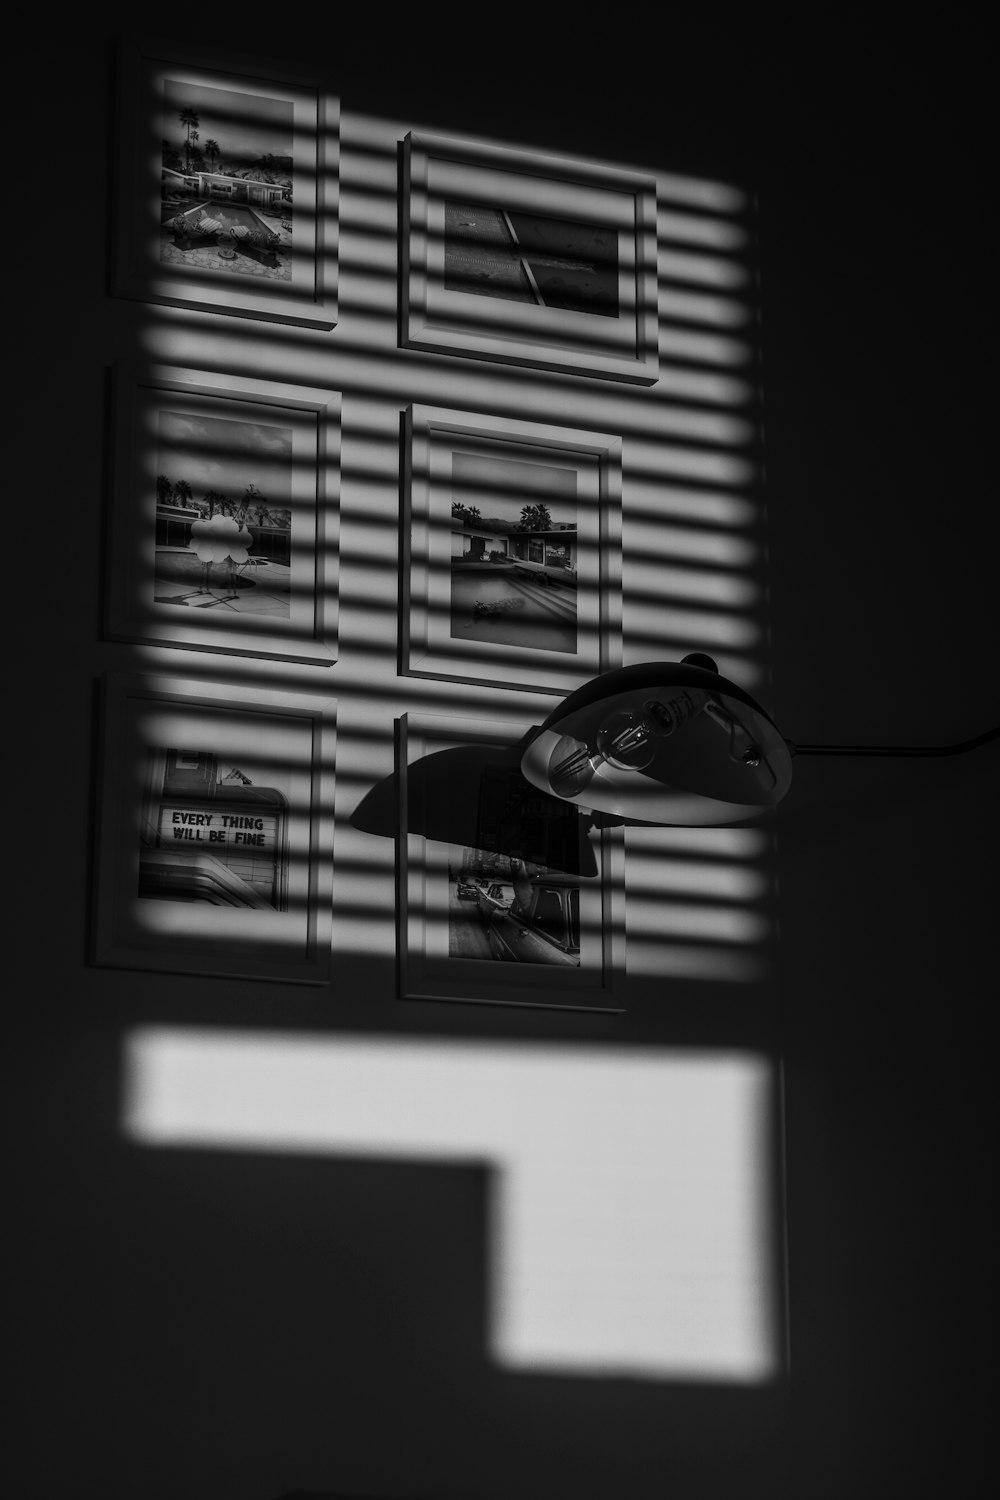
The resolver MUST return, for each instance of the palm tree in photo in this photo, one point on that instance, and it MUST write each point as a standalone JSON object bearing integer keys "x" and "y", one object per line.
{"x": 213, "y": 154}
{"x": 164, "y": 490}
{"x": 212, "y": 499}
{"x": 182, "y": 492}
{"x": 534, "y": 518}
{"x": 190, "y": 119}
{"x": 251, "y": 497}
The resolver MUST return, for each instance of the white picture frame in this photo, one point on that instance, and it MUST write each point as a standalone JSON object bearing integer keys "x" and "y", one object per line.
{"x": 449, "y": 769}
{"x": 214, "y": 830}
{"x": 538, "y": 609}
{"x": 269, "y": 185}
{"x": 603, "y": 321}
{"x": 235, "y": 443}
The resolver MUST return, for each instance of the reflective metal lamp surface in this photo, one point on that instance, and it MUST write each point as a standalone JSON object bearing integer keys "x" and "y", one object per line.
{"x": 665, "y": 742}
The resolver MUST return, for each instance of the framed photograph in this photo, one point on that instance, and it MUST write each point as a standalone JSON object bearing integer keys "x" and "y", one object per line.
{"x": 511, "y": 551}
{"x": 227, "y": 187}
{"x": 528, "y": 260}
{"x": 507, "y": 896}
{"x": 215, "y": 831}
{"x": 223, "y": 516}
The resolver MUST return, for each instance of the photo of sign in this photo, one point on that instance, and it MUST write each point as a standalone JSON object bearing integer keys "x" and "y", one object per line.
{"x": 211, "y": 833}
{"x": 229, "y": 828}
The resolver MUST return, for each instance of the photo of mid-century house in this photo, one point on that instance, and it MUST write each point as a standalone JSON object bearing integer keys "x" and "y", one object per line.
{"x": 218, "y": 187}
{"x": 516, "y": 587}
{"x": 226, "y": 179}
{"x": 513, "y": 552}
{"x": 550, "y": 554}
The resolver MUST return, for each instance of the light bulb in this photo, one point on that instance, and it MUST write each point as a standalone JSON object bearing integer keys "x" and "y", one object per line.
{"x": 627, "y": 740}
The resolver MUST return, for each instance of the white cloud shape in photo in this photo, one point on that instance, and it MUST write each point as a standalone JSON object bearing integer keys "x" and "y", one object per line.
{"x": 219, "y": 539}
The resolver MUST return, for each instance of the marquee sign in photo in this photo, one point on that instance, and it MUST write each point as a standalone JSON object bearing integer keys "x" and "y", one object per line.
{"x": 215, "y": 838}
{"x": 211, "y": 833}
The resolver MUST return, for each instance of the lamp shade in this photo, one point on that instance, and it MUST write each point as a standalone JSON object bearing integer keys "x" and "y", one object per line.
{"x": 664, "y": 742}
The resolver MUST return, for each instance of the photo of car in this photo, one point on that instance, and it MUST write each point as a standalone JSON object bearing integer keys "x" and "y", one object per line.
{"x": 467, "y": 891}
{"x": 542, "y": 927}
{"x": 496, "y": 897}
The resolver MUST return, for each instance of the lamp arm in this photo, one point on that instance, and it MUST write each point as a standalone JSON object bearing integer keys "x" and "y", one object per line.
{"x": 957, "y": 749}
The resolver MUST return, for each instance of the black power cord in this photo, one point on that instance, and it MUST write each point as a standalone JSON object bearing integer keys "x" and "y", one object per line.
{"x": 958, "y": 749}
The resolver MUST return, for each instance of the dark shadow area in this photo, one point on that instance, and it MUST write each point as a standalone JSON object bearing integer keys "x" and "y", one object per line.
{"x": 229, "y": 1308}
{"x": 478, "y": 798}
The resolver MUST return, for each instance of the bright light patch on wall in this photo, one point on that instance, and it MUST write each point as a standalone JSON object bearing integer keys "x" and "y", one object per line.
{"x": 695, "y": 877}
{"x": 684, "y": 920}
{"x": 706, "y": 547}
{"x": 633, "y": 1218}
{"x": 654, "y": 621}
{"x": 723, "y": 590}
{"x": 659, "y": 958}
